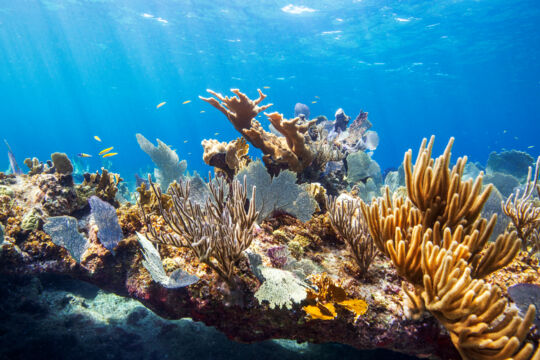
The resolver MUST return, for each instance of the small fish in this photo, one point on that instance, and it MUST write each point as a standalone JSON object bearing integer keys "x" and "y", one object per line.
{"x": 313, "y": 102}
{"x": 84, "y": 155}
{"x": 109, "y": 155}
{"x": 504, "y": 131}
{"x": 186, "y": 102}
{"x": 216, "y": 134}
{"x": 160, "y": 104}
{"x": 266, "y": 87}
{"x": 316, "y": 97}
{"x": 516, "y": 138}
{"x": 97, "y": 138}
{"x": 106, "y": 150}
{"x": 202, "y": 111}
{"x": 185, "y": 141}
{"x": 189, "y": 153}
{"x": 530, "y": 147}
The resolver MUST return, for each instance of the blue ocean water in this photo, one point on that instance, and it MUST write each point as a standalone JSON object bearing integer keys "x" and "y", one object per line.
{"x": 73, "y": 69}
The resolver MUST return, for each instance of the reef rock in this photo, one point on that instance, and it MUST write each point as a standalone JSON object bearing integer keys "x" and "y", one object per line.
{"x": 512, "y": 162}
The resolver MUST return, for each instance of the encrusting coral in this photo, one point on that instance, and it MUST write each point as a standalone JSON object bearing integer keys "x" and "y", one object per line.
{"x": 437, "y": 241}
{"x": 217, "y": 232}
{"x": 523, "y": 212}
{"x": 328, "y": 295}
{"x": 290, "y": 151}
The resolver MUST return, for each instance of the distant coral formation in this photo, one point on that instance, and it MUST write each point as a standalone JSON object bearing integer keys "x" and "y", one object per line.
{"x": 169, "y": 168}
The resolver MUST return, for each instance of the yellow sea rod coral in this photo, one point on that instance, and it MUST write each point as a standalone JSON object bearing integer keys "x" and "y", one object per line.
{"x": 437, "y": 240}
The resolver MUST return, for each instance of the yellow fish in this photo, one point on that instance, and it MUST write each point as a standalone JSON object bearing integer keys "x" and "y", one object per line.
{"x": 84, "y": 155}
{"x": 185, "y": 141}
{"x": 266, "y": 87}
{"x": 97, "y": 138}
{"x": 202, "y": 111}
{"x": 186, "y": 102}
{"x": 160, "y": 104}
{"x": 313, "y": 102}
{"x": 216, "y": 134}
{"x": 106, "y": 150}
{"x": 109, "y": 155}
{"x": 530, "y": 147}
{"x": 316, "y": 97}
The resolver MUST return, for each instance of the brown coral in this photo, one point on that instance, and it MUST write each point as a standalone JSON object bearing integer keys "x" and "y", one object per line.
{"x": 348, "y": 221}
{"x": 290, "y": 151}
{"x": 437, "y": 241}
{"x": 105, "y": 184}
{"x": 217, "y": 232}
{"x": 228, "y": 158}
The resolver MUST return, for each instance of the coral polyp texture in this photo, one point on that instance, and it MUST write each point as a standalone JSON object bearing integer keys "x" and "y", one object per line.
{"x": 287, "y": 247}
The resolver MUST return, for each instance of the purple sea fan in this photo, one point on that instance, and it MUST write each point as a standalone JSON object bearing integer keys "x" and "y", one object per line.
{"x": 279, "y": 255}
{"x": 104, "y": 214}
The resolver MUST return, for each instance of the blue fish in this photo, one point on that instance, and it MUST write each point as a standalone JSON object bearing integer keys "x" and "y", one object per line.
{"x": 12, "y": 162}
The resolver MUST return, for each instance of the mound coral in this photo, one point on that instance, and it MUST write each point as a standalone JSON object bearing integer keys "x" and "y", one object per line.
{"x": 437, "y": 241}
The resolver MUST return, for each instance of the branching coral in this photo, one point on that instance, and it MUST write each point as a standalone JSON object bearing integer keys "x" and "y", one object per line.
{"x": 217, "y": 232}
{"x": 524, "y": 214}
{"x": 348, "y": 221}
{"x": 290, "y": 151}
{"x": 437, "y": 241}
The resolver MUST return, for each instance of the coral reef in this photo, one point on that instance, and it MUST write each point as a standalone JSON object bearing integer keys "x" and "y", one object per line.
{"x": 437, "y": 241}
{"x": 104, "y": 186}
{"x": 328, "y": 274}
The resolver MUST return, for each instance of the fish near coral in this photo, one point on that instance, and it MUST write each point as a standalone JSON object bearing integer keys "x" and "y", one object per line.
{"x": 105, "y": 150}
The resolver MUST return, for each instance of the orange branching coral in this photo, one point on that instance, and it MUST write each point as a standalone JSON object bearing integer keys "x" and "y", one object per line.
{"x": 438, "y": 241}
{"x": 329, "y": 295}
{"x": 523, "y": 212}
{"x": 290, "y": 152}
{"x": 227, "y": 158}
{"x": 239, "y": 109}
